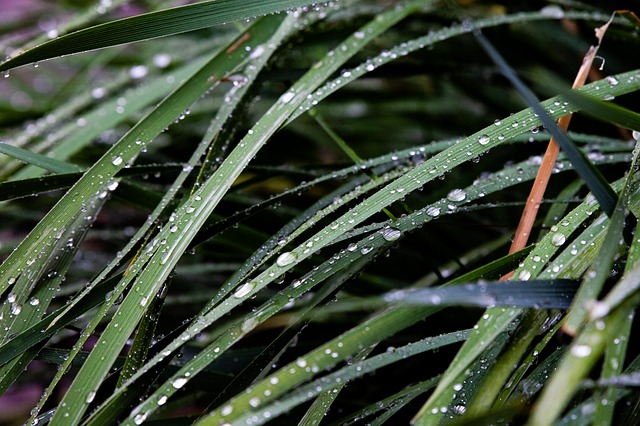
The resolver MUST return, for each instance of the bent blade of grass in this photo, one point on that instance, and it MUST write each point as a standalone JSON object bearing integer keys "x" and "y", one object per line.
{"x": 604, "y": 325}
{"x": 592, "y": 176}
{"x": 30, "y": 298}
{"x": 373, "y": 244}
{"x": 403, "y": 224}
{"x": 496, "y": 320}
{"x": 94, "y": 370}
{"x": 261, "y": 413}
{"x": 421, "y": 43}
{"x": 389, "y": 405}
{"x": 208, "y": 195}
{"x": 152, "y": 25}
{"x": 74, "y": 136}
{"x": 118, "y": 156}
{"x": 583, "y": 354}
{"x": 321, "y": 405}
{"x": 599, "y": 272}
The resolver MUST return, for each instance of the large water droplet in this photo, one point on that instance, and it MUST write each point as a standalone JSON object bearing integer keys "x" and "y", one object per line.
{"x": 612, "y": 80}
{"x": 456, "y": 195}
{"x": 116, "y": 161}
{"x": 286, "y": 97}
{"x": 179, "y": 382}
{"x": 244, "y": 290}
{"x": 552, "y": 11}
{"x": 581, "y": 351}
{"x": 257, "y": 52}
{"x": 484, "y": 139}
{"x": 138, "y": 71}
{"x": 433, "y": 211}
{"x": 286, "y": 258}
{"x": 558, "y": 239}
{"x": 249, "y": 325}
{"x": 391, "y": 234}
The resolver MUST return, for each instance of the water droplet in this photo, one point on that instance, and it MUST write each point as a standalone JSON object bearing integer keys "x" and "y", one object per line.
{"x": 433, "y": 211}
{"x": 179, "y": 382}
{"x": 524, "y": 275}
{"x": 249, "y": 325}
{"x": 612, "y": 80}
{"x": 581, "y": 351}
{"x": 391, "y": 234}
{"x": 257, "y": 52}
{"x": 456, "y": 195}
{"x": 484, "y": 139}
{"x": 552, "y": 11}
{"x": 286, "y": 97}
{"x": 140, "y": 418}
{"x": 558, "y": 240}
{"x": 162, "y": 400}
{"x": 366, "y": 249}
{"x": 244, "y": 290}
{"x": 497, "y": 122}
{"x": 459, "y": 409}
{"x": 599, "y": 310}
{"x": 90, "y": 397}
{"x": 162, "y": 60}
{"x": 16, "y": 308}
{"x": 254, "y": 402}
{"x": 226, "y": 410}
{"x": 117, "y": 161}
{"x": 286, "y": 258}
{"x": 138, "y": 71}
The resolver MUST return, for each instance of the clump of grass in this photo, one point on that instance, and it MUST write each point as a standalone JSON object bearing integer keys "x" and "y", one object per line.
{"x": 303, "y": 215}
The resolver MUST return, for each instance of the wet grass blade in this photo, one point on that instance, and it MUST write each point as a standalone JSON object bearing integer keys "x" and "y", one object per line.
{"x": 151, "y": 25}
{"x": 592, "y": 177}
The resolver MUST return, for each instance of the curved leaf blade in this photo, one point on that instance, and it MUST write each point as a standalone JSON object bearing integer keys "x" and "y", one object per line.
{"x": 152, "y": 25}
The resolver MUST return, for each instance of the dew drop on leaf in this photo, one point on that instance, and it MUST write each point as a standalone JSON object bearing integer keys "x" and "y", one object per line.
{"x": 456, "y": 195}
{"x": 612, "y": 80}
{"x": 286, "y": 258}
{"x": 179, "y": 382}
{"x": 552, "y": 11}
{"x": 286, "y": 98}
{"x": 581, "y": 351}
{"x": 244, "y": 290}
{"x": 558, "y": 239}
{"x": 391, "y": 234}
{"x": 433, "y": 211}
